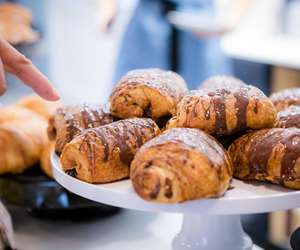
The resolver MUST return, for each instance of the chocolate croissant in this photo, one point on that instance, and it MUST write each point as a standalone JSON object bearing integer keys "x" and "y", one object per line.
{"x": 268, "y": 155}
{"x": 226, "y": 110}
{"x": 286, "y": 98}
{"x": 179, "y": 165}
{"x": 22, "y": 138}
{"x": 151, "y": 93}
{"x": 289, "y": 117}
{"x": 71, "y": 120}
{"x": 104, "y": 154}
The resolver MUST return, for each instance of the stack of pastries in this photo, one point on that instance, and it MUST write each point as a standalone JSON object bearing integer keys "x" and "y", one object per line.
{"x": 168, "y": 140}
{"x": 23, "y": 134}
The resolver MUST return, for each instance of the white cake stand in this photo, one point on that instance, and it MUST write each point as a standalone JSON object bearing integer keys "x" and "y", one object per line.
{"x": 210, "y": 224}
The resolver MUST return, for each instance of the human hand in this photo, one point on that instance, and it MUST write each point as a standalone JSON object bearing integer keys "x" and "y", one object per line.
{"x": 14, "y": 62}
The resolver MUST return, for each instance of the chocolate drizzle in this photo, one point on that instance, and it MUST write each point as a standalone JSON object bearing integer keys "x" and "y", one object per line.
{"x": 241, "y": 104}
{"x": 219, "y": 101}
{"x": 124, "y": 136}
{"x": 262, "y": 146}
{"x": 168, "y": 188}
{"x": 154, "y": 193}
{"x": 69, "y": 121}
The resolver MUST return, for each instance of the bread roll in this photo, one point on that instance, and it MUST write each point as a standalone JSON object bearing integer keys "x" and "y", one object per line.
{"x": 269, "y": 155}
{"x": 151, "y": 93}
{"x": 179, "y": 165}
{"x": 104, "y": 154}
{"x": 71, "y": 120}
{"x": 226, "y": 110}
{"x": 286, "y": 98}
{"x": 22, "y": 138}
{"x": 289, "y": 117}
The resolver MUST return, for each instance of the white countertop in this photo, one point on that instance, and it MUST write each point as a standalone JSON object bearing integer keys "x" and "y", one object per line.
{"x": 128, "y": 230}
{"x": 279, "y": 50}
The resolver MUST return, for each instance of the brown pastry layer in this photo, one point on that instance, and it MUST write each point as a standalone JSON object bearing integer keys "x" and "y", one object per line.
{"x": 286, "y": 98}
{"x": 224, "y": 111}
{"x": 104, "y": 154}
{"x": 151, "y": 93}
{"x": 289, "y": 117}
{"x": 71, "y": 120}
{"x": 179, "y": 165}
{"x": 268, "y": 155}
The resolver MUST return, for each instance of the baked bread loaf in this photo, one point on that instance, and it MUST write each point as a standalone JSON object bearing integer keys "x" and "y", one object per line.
{"x": 286, "y": 98}
{"x": 179, "y": 165}
{"x": 268, "y": 155}
{"x": 38, "y": 105}
{"x": 104, "y": 154}
{"x": 226, "y": 110}
{"x": 289, "y": 117}
{"x": 22, "y": 138}
{"x": 71, "y": 120}
{"x": 151, "y": 93}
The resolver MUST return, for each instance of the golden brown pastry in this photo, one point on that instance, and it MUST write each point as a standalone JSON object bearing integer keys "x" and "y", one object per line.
{"x": 222, "y": 82}
{"x": 289, "y": 117}
{"x": 269, "y": 155}
{"x": 38, "y": 105}
{"x": 15, "y": 24}
{"x": 71, "y": 120}
{"x": 22, "y": 137}
{"x": 45, "y": 160}
{"x": 104, "y": 154}
{"x": 151, "y": 93}
{"x": 286, "y": 98}
{"x": 179, "y": 165}
{"x": 225, "y": 110}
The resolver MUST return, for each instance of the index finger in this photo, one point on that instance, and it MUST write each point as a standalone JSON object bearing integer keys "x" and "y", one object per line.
{"x": 16, "y": 63}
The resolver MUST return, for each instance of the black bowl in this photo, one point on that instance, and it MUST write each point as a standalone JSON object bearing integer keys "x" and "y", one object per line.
{"x": 44, "y": 197}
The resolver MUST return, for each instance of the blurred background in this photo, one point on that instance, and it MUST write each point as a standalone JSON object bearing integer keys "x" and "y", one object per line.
{"x": 85, "y": 46}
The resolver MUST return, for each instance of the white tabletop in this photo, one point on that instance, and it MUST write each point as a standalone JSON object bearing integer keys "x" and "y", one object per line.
{"x": 128, "y": 230}
{"x": 279, "y": 50}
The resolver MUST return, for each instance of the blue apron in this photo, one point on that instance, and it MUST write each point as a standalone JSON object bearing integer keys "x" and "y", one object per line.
{"x": 147, "y": 38}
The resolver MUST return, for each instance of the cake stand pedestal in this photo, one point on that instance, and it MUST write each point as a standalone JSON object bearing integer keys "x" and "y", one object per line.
{"x": 209, "y": 224}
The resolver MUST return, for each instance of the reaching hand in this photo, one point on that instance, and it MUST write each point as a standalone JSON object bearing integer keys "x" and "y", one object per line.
{"x": 14, "y": 62}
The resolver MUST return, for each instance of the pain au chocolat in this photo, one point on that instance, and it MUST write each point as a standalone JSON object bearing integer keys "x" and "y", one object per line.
{"x": 289, "y": 117}
{"x": 104, "y": 154}
{"x": 224, "y": 106}
{"x": 179, "y": 165}
{"x": 71, "y": 120}
{"x": 286, "y": 98}
{"x": 152, "y": 93}
{"x": 268, "y": 155}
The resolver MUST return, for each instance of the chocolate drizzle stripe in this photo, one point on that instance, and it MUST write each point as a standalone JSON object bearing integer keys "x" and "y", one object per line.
{"x": 241, "y": 104}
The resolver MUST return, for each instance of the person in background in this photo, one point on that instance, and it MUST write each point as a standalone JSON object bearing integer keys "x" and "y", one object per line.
{"x": 151, "y": 41}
